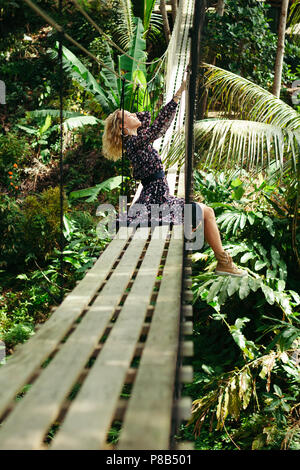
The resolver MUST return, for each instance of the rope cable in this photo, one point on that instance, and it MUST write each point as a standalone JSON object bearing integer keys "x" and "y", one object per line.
{"x": 133, "y": 99}
{"x": 61, "y": 241}
{"x": 137, "y": 98}
{"x": 122, "y": 109}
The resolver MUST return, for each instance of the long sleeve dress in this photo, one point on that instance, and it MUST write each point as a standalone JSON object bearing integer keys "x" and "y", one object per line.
{"x": 145, "y": 161}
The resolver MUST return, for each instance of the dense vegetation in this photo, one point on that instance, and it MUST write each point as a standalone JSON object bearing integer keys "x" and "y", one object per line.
{"x": 246, "y": 331}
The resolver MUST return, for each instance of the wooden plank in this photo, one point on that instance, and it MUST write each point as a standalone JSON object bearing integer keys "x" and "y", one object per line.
{"x": 40, "y": 406}
{"x": 187, "y": 328}
{"x": 186, "y": 374}
{"x": 181, "y": 183}
{"x": 147, "y": 423}
{"x": 90, "y": 415}
{"x": 171, "y": 177}
{"x": 18, "y": 369}
{"x": 187, "y": 349}
{"x": 184, "y": 406}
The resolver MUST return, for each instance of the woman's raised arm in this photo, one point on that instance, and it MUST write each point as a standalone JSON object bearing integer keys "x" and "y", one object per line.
{"x": 146, "y": 135}
{"x": 159, "y": 126}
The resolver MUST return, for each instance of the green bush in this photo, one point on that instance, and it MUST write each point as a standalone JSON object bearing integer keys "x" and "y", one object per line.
{"x": 246, "y": 329}
{"x": 19, "y": 333}
{"x": 30, "y": 230}
{"x": 13, "y": 150}
{"x": 11, "y": 229}
{"x": 42, "y": 222}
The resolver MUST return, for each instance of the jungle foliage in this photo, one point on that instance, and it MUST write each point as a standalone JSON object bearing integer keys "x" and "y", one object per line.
{"x": 246, "y": 330}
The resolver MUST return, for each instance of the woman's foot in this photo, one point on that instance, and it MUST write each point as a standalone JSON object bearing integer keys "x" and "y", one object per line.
{"x": 226, "y": 266}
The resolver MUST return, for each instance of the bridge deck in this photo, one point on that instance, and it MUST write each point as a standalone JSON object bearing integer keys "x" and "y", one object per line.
{"x": 118, "y": 330}
{"x": 112, "y": 352}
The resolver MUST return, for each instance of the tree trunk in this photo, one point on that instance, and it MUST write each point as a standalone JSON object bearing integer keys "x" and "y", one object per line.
{"x": 203, "y": 102}
{"x": 174, "y": 9}
{"x": 280, "y": 48}
{"x": 220, "y": 7}
{"x": 163, "y": 11}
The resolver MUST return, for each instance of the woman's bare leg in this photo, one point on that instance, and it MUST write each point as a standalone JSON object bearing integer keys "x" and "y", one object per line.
{"x": 211, "y": 231}
{"x": 225, "y": 265}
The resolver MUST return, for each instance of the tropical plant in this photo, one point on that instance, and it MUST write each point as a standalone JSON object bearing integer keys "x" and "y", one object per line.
{"x": 241, "y": 40}
{"x": 270, "y": 133}
{"x": 294, "y": 18}
{"x": 41, "y": 134}
{"x": 108, "y": 92}
{"x": 72, "y": 120}
{"x": 14, "y": 150}
{"x": 35, "y": 290}
{"x": 107, "y": 185}
{"x": 246, "y": 329}
{"x": 152, "y": 22}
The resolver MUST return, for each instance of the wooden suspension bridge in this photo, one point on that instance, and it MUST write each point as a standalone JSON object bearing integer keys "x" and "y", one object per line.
{"x": 126, "y": 327}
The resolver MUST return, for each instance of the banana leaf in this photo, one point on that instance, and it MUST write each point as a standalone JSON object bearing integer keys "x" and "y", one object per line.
{"x": 110, "y": 79}
{"x": 130, "y": 69}
{"x": 73, "y": 121}
{"x": 93, "y": 192}
{"x": 84, "y": 78}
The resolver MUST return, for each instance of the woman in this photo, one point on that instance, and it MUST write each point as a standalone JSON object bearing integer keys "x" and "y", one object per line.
{"x": 139, "y": 135}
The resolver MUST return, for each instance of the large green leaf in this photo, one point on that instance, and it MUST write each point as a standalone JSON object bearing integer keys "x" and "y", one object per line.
{"x": 128, "y": 67}
{"x": 80, "y": 121}
{"x": 83, "y": 77}
{"x": 93, "y": 192}
{"x": 125, "y": 28}
{"x": 73, "y": 120}
{"x": 110, "y": 79}
{"x": 50, "y": 112}
{"x": 148, "y": 9}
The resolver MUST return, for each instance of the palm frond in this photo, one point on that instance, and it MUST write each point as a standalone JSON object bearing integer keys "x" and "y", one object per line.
{"x": 73, "y": 120}
{"x": 294, "y": 15}
{"x": 226, "y": 144}
{"x": 148, "y": 12}
{"x": 248, "y": 100}
{"x": 155, "y": 31}
{"x": 43, "y": 113}
{"x": 80, "y": 121}
{"x": 176, "y": 151}
{"x": 125, "y": 29}
{"x": 246, "y": 144}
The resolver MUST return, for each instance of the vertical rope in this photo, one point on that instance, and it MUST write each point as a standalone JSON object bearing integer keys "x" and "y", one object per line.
{"x": 195, "y": 34}
{"x": 122, "y": 109}
{"x": 133, "y": 100}
{"x": 137, "y": 97}
{"x": 146, "y": 93}
{"x": 61, "y": 241}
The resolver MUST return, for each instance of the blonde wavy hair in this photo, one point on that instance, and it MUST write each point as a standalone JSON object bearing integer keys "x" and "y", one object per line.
{"x": 112, "y": 138}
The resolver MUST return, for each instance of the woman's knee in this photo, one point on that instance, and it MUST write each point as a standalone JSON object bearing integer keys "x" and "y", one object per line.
{"x": 208, "y": 212}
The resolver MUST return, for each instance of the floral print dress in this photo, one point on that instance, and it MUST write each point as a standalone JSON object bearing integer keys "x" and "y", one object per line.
{"x": 145, "y": 161}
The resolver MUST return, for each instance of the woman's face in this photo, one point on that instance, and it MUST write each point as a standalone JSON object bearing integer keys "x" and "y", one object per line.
{"x": 131, "y": 121}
